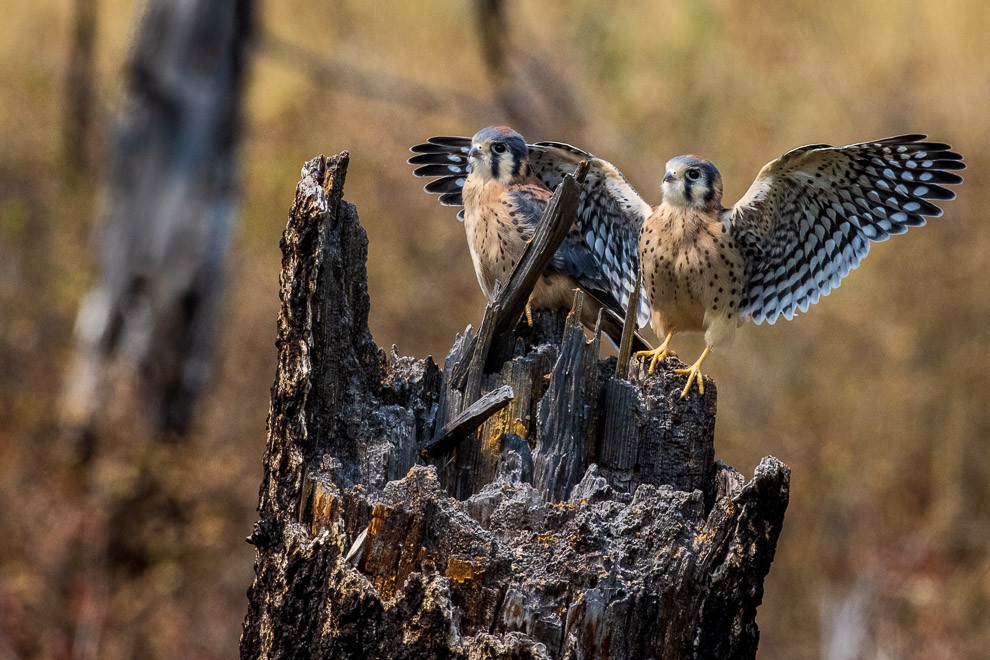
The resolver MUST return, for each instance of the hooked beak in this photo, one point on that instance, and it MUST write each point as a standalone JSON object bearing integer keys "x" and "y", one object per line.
{"x": 669, "y": 177}
{"x": 475, "y": 151}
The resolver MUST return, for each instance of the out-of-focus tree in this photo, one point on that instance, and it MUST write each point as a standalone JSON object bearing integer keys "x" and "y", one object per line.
{"x": 79, "y": 87}
{"x": 368, "y": 83}
{"x": 532, "y": 94}
{"x": 145, "y": 333}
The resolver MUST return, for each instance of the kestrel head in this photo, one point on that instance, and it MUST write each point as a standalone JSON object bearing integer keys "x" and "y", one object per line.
{"x": 499, "y": 153}
{"x": 692, "y": 182}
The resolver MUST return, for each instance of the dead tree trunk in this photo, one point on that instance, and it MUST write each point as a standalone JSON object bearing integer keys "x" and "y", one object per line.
{"x": 585, "y": 518}
{"x": 145, "y": 333}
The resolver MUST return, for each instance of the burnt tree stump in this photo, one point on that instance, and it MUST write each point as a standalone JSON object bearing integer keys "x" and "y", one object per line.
{"x": 540, "y": 509}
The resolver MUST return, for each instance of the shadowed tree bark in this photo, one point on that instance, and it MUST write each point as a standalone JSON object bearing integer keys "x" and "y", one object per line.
{"x": 145, "y": 333}
{"x": 585, "y": 518}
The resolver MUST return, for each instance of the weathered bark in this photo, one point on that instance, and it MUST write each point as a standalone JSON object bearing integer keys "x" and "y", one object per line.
{"x": 146, "y": 331}
{"x": 586, "y": 518}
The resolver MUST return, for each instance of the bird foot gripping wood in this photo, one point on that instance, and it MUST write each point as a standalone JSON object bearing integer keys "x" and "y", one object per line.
{"x": 694, "y": 374}
{"x": 658, "y": 353}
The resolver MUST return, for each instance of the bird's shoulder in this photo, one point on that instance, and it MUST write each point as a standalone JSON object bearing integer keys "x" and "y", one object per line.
{"x": 527, "y": 196}
{"x": 530, "y": 187}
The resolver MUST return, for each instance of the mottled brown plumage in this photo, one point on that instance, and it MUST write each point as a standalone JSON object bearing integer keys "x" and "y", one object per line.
{"x": 497, "y": 236}
{"x": 807, "y": 220}
{"x": 503, "y": 202}
{"x": 692, "y": 273}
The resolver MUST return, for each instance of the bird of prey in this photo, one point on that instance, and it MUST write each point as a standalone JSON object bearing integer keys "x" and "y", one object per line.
{"x": 505, "y": 184}
{"x": 807, "y": 220}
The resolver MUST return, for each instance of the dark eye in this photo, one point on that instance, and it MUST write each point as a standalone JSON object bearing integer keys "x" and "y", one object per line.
{"x": 498, "y": 148}
{"x": 693, "y": 175}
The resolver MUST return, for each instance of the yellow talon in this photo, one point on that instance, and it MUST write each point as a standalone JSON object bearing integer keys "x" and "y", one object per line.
{"x": 658, "y": 353}
{"x": 529, "y": 314}
{"x": 694, "y": 374}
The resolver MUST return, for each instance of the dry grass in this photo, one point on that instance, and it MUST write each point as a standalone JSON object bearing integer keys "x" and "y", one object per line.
{"x": 879, "y": 398}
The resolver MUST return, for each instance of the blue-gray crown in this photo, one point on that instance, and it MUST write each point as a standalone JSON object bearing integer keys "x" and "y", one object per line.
{"x": 504, "y": 134}
{"x": 707, "y": 167}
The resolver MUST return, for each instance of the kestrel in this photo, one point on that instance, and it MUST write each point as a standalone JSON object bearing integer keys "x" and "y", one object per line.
{"x": 505, "y": 184}
{"x": 806, "y": 221}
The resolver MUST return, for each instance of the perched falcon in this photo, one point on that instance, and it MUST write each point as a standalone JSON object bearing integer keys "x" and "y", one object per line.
{"x": 806, "y": 221}
{"x": 505, "y": 184}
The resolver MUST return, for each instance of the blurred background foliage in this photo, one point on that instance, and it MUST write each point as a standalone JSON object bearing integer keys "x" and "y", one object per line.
{"x": 879, "y": 398}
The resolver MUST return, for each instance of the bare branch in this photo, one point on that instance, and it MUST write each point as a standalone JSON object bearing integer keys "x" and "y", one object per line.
{"x": 79, "y": 87}
{"x": 468, "y": 421}
{"x": 493, "y": 33}
{"x": 628, "y": 329}
{"x": 375, "y": 85}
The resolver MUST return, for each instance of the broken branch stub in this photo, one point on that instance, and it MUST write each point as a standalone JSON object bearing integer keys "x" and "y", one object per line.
{"x": 469, "y": 420}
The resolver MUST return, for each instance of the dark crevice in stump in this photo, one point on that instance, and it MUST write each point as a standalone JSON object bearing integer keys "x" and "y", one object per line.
{"x": 586, "y": 517}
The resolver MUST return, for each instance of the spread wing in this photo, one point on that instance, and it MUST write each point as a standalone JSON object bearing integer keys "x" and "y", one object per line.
{"x": 447, "y": 159}
{"x": 610, "y": 211}
{"x": 810, "y": 216}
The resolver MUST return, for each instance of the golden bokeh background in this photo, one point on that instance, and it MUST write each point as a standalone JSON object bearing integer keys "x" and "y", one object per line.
{"x": 878, "y": 398}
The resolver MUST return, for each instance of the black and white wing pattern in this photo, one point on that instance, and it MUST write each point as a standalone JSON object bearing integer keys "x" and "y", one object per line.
{"x": 447, "y": 159}
{"x": 810, "y": 216}
{"x": 610, "y": 215}
{"x": 610, "y": 211}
